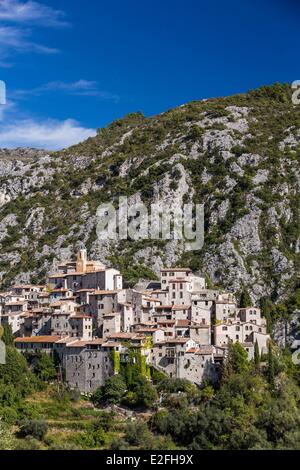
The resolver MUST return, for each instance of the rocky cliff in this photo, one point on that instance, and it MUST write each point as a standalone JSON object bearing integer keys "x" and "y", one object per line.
{"x": 238, "y": 155}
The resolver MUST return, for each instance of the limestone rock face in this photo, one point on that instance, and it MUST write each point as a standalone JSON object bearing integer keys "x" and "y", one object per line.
{"x": 287, "y": 332}
{"x": 239, "y": 156}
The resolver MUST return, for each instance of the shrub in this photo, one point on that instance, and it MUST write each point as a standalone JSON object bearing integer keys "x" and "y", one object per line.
{"x": 29, "y": 443}
{"x": 137, "y": 433}
{"x": 35, "y": 428}
{"x": 112, "y": 392}
{"x": 145, "y": 393}
{"x": 118, "y": 444}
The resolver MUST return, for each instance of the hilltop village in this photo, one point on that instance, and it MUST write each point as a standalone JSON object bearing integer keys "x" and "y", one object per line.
{"x": 92, "y": 324}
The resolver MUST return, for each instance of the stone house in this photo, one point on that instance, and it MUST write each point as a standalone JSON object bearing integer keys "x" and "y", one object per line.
{"x": 14, "y": 320}
{"x": 161, "y": 295}
{"x": 251, "y": 314}
{"x": 203, "y": 304}
{"x": 102, "y": 302}
{"x": 28, "y": 292}
{"x": 198, "y": 364}
{"x": 72, "y": 325}
{"x": 165, "y": 355}
{"x": 111, "y": 323}
{"x": 182, "y": 328}
{"x": 181, "y": 312}
{"x": 173, "y": 273}
{"x": 242, "y": 332}
{"x": 37, "y": 322}
{"x": 127, "y": 316}
{"x": 179, "y": 291}
{"x": 37, "y": 344}
{"x": 60, "y": 294}
{"x": 147, "y": 309}
{"x": 43, "y": 299}
{"x": 200, "y": 333}
{"x": 81, "y": 326}
{"x": 17, "y": 306}
{"x": 225, "y": 307}
{"x": 85, "y": 274}
{"x": 57, "y": 281}
{"x": 168, "y": 326}
{"x": 155, "y": 334}
{"x": 163, "y": 312}
{"x": 89, "y": 363}
{"x": 83, "y": 296}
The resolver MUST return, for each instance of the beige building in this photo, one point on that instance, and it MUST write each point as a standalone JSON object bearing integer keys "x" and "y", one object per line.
{"x": 85, "y": 274}
{"x": 37, "y": 344}
{"x": 14, "y": 320}
{"x": 225, "y": 307}
{"x": 127, "y": 316}
{"x": 102, "y": 302}
{"x": 203, "y": 305}
{"x": 111, "y": 323}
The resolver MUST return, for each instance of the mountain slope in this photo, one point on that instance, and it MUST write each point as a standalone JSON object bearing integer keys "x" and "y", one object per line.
{"x": 238, "y": 155}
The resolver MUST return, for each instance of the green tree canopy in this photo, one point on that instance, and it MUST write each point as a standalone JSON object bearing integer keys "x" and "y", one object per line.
{"x": 7, "y": 335}
{"x": 245, "y": 299}
{"x": 145, "y": 393}
{"x": 112, "y": 392}
{"x": 44, "y": 367}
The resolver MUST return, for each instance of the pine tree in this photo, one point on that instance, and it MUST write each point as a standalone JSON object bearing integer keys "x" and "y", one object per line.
{"x": 256, "y": 355}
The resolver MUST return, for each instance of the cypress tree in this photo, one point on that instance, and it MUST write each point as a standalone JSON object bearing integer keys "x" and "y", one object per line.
{"x": 256, "y": 355}
{"x": 245, "y": 299}
{"x": 271, "y": 368}
{"x": 227, "y": 365}
{"x": 7, "y": 337}
{"x": 266, "y": 306}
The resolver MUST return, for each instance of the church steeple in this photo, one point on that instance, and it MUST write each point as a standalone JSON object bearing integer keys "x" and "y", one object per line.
{"x": 81, "y": 263}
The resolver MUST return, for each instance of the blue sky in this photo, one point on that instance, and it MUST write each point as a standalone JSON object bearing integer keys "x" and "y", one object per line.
{"x": 73, "y": 66}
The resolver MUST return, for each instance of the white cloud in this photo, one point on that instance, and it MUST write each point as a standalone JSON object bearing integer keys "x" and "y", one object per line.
{"x": 30, "y": 12}
{"x": 71, "y": 86}
{"x": 50, "y": 134}
{"x": 16, "y": 21}
{"x": 7, "y": 110}
{"x": 79, "y": 88}
{"x": 12, "y": 38}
